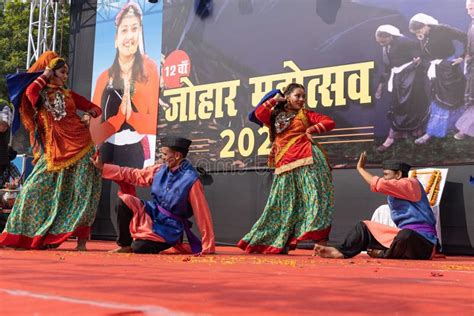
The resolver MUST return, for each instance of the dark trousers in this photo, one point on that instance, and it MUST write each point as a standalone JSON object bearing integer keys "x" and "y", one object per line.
{"x": 408, "y": 244}
{"x": 124, "y": 238}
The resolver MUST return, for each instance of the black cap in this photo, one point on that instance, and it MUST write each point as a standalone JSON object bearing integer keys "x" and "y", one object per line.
{"x": 176, "y": 143}
{"x": 396, "y": 165}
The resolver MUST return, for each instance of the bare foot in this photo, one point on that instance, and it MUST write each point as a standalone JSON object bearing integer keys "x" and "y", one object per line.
{"x": 126, "y": 249}
{"x": 322, "y": 242}
{"x": 81, "y": 244}
{"x": 423, "y": 139}
{"x": 460, "y": 136}
{"x": 327, "y": 252}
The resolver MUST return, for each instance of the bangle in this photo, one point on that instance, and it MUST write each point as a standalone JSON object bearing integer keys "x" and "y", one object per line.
{"x": 270, "y": 103}
{"x": 311, "y": 129}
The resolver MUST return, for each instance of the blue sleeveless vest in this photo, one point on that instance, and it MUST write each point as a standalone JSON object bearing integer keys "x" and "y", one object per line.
{"x": 170, "y": 190}
{"x": 406, "y": 213}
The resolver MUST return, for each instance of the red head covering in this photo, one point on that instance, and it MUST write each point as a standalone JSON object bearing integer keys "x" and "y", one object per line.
{"x": 27, "y": 110}
{"x": 43, "y": 61}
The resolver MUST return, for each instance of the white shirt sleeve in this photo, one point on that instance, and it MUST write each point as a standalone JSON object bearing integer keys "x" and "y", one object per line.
{"x": 6, "y": 115}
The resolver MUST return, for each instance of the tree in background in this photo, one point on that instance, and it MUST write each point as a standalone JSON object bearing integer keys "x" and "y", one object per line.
{"x": 14, "y": 19}
{"x": 14, "y": 23}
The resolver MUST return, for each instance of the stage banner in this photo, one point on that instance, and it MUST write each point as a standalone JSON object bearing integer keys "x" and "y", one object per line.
{"x": 395, "y": 89}
{"x": 127, "y": 54}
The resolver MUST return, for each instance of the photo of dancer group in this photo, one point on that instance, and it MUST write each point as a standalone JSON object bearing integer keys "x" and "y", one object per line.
{"x": 395, "y": 77}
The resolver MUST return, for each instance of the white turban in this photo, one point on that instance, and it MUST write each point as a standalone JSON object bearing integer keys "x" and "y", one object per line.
{"x": 390, "y": 29}
{"x": 424, "y": 19}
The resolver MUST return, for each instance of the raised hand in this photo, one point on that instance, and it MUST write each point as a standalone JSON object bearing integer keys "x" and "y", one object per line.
{"x": 457, "y": 61}
{"x": 48, "y": 72}
{"x": 279, "y": 98}
{"x": 362, "y": 160}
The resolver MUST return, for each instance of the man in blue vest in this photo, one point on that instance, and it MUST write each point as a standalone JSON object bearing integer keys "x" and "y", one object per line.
{"x": 177, "y": 194}
{"x": 415, "y": 235}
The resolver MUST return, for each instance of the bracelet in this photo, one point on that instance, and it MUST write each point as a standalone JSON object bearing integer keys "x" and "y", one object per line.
{"x": 270, "y": 104}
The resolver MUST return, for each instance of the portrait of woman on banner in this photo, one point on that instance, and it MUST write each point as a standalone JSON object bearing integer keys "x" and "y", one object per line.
{"x": 127, "y": 92}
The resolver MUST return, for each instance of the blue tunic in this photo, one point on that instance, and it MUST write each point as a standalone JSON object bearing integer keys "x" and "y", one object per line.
{"x": 416, "y": 216}
{"x": 170, "y": 190}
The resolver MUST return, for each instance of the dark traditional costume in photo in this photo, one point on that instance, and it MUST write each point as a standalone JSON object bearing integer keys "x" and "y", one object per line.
{"x": 447, "y": 82}
{"x": 465, "y": 124}
{"x": 59, "y": 198}
{"x": 405, "y": 80}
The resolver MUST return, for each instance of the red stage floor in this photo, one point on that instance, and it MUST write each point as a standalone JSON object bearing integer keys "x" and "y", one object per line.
{"x": 65, "y": 282}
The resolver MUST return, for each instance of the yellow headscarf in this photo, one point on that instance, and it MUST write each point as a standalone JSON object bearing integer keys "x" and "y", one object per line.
{"x": 52, "y": 64}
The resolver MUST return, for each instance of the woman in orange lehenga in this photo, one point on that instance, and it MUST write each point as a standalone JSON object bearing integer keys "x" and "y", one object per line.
{"x": 59, "y": 199}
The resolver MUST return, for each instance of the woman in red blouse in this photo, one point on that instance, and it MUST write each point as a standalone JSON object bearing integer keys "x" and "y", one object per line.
{"x": 59, "y": 198}
{"x": 301, "y": 200}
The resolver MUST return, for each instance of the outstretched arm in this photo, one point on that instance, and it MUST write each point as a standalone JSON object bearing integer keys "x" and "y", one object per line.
{"x": 138, "y": 177}
{"x": 404, "y": 188}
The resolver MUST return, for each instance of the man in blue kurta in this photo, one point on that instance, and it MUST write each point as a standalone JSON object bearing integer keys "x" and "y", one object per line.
{"x": 177, "y": 194}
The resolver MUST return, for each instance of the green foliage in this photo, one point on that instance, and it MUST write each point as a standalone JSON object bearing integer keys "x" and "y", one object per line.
{"x": 14, "y": 19}
{"x": 14, "y": 23}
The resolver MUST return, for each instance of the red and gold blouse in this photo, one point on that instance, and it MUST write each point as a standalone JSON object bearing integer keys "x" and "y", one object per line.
{"x": 65, "y": 138}
{"x": 291, "y": 148}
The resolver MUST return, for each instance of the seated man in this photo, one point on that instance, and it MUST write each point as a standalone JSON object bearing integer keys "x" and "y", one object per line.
{"x": 9, "y": 174}
{"x": 7, "y": 169}
{"x": 415, "y": 234}
{"x": 177, "y": 194}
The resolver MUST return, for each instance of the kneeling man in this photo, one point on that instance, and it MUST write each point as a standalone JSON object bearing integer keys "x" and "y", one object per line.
{"x": 177, "y": 194}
